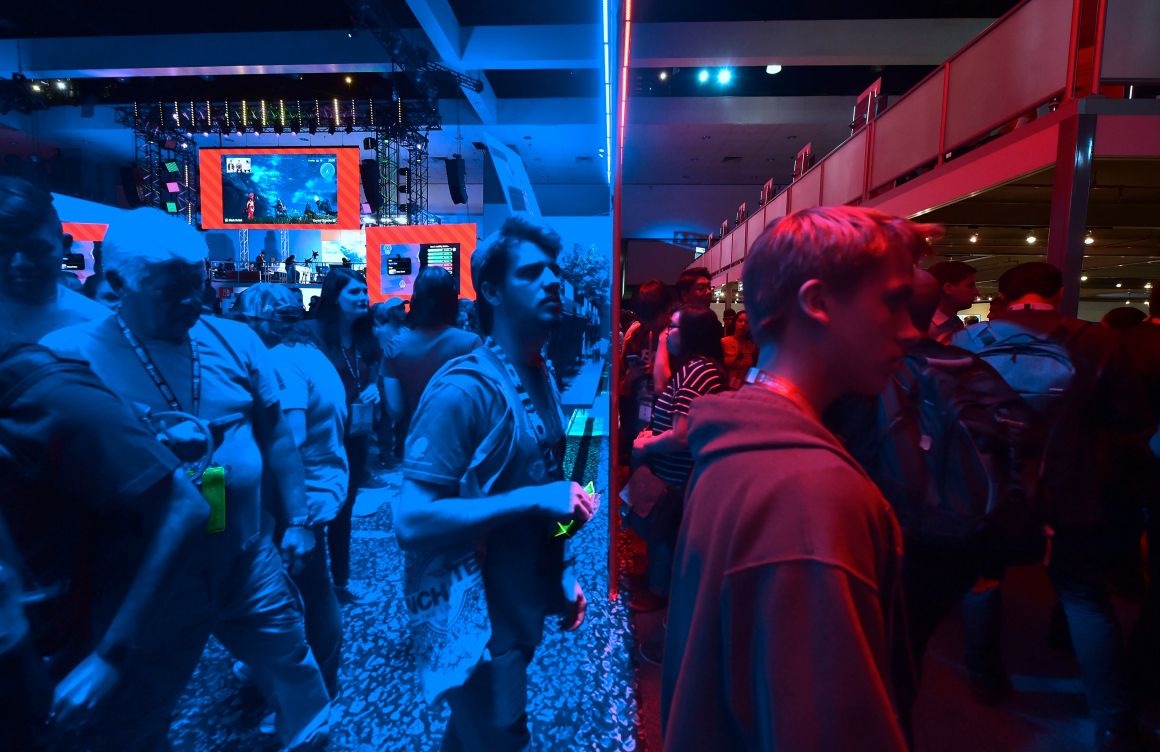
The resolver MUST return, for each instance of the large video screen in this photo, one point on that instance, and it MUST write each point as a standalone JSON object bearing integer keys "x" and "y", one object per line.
{"x": 293, "y": 188}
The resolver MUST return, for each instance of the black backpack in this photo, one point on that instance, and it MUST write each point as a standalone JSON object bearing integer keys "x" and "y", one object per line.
{"x": 1037, "y": 366}
{"x": 960, "y": 456}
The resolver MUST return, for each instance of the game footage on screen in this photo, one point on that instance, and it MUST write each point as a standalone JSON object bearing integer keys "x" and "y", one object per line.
{"x": 292, "y": 189}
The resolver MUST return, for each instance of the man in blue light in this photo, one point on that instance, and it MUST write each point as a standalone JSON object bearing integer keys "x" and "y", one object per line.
{"x": 32, "y": 243}
{"x": 483, "y": 493}
{"x": 161, "y": 354}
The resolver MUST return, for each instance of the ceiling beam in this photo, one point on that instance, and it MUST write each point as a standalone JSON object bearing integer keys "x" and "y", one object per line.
{"x": 759, "y": 43}
{"x": 564, "y": 46}
{"x": 437, "y": 19}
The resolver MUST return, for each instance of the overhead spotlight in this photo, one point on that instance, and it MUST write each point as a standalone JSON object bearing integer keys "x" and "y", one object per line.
{"x": 36, "y": 88}
{"x": 724, "y": 76}
{"x": 331, "y": 129}
{"x": 1031, "y": 238}
{"x": 205, "y": 133}
{"x": 1088, "y": 239}
{"x": 703, "y": 76}
{"x": 348, "y": 79}
{"x": 773, "y": 70}
{"x": 348, "y": 129}
{"x": 664, "y": 75}
{"x": 61, "y": 85}
{"x": 974, "y": 235}
{"x": 313, "y": 129}
{"x": 1119, "y": 284}
{"x": 1083, "y": 278}
{"x": 1147, "y": 285}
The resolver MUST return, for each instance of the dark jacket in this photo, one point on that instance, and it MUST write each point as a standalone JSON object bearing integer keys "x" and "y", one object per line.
{"x": 785, "y": 589}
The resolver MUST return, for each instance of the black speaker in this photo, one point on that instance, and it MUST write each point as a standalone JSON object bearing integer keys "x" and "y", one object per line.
{"x": 369, "y": 169}
{"x": 129, "y": 186}
{"x": 457, "y": 179}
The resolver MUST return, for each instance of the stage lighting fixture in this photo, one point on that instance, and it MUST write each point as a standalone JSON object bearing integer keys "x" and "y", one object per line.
{"x": 313, "y": 129}
{"x": 257, "y": 129}
{"x": 703, "y": 76}
{"x": 171, "y": 207}
{"x": 278, "y": 130}
{"x": 61, "y": 85}
{"x": 724, "y": 76}
{"x": 664, "y": 75}
{"x": 205, "y": 133}
{"x": 331, "y": 129}
{"x": 974, "y": 237}
{"x": 773, "y": 70}
{"x": 348, "y": 129}
{"x": 171, "y": 166}
{"x": 36, "y": 88}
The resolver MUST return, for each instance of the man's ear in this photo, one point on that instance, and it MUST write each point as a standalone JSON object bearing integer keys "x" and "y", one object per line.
{"x": 116, "y": 281}
{"x": 491, "y": 294}
{"x": 813, "y": 300}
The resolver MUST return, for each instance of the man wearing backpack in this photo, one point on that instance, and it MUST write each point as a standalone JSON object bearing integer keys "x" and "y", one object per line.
{"x": 930, "y": 443}
{"x": 957, "y": 292}
{"x": 1068, "y": 371}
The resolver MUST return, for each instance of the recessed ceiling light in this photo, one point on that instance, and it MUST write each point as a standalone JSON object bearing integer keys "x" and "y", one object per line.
{"x": 773, "y": 70}
{"x": 724, "y": 76}
{"x": 1119, "y": 284}
{"x": 664, "y": 75}
{"x": 703, "y": 76}
{"x": 1083, "y": 278}
{"x": 1031, "y": 238}
{"x": 1088, "y": 240}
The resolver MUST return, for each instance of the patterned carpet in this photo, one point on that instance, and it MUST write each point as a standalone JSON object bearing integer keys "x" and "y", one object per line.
{"x": 581, "y": 687}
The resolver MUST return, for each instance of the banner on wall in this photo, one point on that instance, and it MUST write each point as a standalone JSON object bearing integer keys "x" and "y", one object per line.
{"x": 396, "y": 254}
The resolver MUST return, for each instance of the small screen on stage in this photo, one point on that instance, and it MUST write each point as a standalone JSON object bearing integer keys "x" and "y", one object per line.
{"x": 279, "y": 188}
{"x": 442, "y": 255}
{"x": 397, "y": 266}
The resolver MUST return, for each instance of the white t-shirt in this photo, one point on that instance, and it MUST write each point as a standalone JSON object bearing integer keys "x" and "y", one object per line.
{"x": 28, "y": 323}
{"x": 309, "y": 382}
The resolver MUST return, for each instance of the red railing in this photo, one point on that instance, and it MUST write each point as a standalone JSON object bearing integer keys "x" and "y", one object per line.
{"x": 1027, "y": 58}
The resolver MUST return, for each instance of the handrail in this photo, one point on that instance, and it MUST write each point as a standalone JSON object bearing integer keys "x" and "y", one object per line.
{"x": 979, "y": 114}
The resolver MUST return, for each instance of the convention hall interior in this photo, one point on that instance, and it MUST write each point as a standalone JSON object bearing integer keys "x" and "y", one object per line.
{"x": 655, "y": 137}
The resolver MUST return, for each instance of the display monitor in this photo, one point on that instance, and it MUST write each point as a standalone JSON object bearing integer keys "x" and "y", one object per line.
{"x": 280, "y": 189}
{"x": 396, "y": 255}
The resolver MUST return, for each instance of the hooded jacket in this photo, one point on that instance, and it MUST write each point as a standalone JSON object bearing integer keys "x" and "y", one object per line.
{"x": 785, "y": 600}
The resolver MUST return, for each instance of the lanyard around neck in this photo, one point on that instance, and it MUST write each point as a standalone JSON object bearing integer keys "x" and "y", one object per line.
{"x": 538, "y": 425}
{"x": 784, "y": 387}
{"x": 352, "y": 367}
{"x": 156, "y": 375}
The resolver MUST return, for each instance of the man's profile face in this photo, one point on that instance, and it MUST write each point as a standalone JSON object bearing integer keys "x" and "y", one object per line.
{"x": 700, "y": 294}
{"x": 531, "y": 289}
{"x": 962, "y": 294}
{"x": 30, "y": 262}
{"x": 168, "y": 296}
{"x": 871, "y": 326}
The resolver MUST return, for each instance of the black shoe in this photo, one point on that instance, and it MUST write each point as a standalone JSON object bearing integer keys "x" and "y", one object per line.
{"x": 346, "y": 596}
{"x": 652, "y": 652}
{"x": 643, "y": 601}
{"x": 989, "y": 689}
{"x": 1109, "y": 740}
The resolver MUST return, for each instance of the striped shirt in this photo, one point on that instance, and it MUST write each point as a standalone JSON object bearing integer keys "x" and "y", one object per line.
{"x": 698, "y": 377}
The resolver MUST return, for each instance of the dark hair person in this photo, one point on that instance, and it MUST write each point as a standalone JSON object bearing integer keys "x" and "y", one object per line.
{"x": 419, "y": 352}
{"x": 346, "y": 333}
{"x": 696, "y": 353}
{"x": 740, "y": 351}
{"x": 497, "y": 258}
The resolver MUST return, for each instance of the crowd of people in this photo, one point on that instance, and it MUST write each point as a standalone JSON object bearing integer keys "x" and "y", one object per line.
{"x": 167, "y": 475}
{"x": 819, "y": 489}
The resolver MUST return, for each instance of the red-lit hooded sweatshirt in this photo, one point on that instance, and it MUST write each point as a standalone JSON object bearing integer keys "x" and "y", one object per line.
{"x": 785, "y": 589}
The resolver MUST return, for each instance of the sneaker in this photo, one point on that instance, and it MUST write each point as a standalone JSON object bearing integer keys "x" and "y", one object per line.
{"x": 242, "y": 672}
{"x": 353, "y": 593}
{"x": 643, "y": 601}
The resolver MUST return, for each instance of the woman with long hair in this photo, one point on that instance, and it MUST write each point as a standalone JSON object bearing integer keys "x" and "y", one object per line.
{"x": 345, "y": 332}
{"x": 314, "y": 403}
{"x": 740, "y": 352}
{"x": 695, "y": 355}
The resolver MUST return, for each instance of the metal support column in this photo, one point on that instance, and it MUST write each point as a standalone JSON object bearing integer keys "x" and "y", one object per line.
{"x": 244, "y": 246}
{"x": 1069, "y": 204}
{"x": 387, "y": 157}
{"x": 417, "y": 161}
